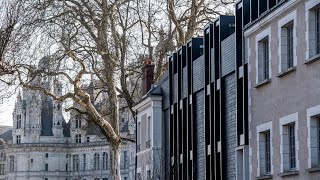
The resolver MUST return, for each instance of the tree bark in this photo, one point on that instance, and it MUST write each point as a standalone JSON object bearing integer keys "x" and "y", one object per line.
{"x": 115, "y": 169}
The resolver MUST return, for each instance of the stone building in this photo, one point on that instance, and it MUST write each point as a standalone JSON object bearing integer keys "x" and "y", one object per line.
{"x": 283, "y": 42}
{"x": 42, "y": 145}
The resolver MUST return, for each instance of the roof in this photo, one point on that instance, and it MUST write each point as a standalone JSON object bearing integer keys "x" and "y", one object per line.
{"x": 47, "y": 117}
{"x": 7, "y": 136}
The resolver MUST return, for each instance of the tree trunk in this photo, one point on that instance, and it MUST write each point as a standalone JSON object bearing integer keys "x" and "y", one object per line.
{"x": 115, "y": 169}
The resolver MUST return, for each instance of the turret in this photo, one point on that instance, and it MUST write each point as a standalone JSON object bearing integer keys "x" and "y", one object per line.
{"x": 18, "y": 120}
{"x": 57, "y": 128}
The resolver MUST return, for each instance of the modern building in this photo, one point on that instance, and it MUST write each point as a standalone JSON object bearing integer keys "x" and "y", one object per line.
{"x": 41, "y": 145}
{"x": 283, "y": 42}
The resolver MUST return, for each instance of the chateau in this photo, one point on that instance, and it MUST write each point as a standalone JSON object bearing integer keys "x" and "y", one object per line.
{"x": 42, "y": 145}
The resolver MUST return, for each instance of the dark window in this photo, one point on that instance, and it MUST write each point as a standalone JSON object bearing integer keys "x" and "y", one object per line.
{"x": 317, "y": 12}
{"x": 2, "y": 169}
{"x": 292, "y": 148}
{"x": 105, "y": 161}
{"x": 11, "y": 163}
{"x": 148, "y": 174}
{"x": 18, "y": 121}
{"x": 31, "y": 160}
{"x": 84, "y": 164}
{"x": 78, "y": 123}
{"x": 290, "y": 46}
{"x": 76, "y": 162}
{"x": 267, "y": 152}
{"x": 67, "y": 167}
{"x": 78, "y": 138}
{"x": 47, "y": 155}
{"x": 47, "y": 167}
{"x": 18, "y": 139}
{"x": 96, "y": 161}
{"x": 45, "y": 178}
{"x": 266, "y": 59}
{"x": 125, "y": 159}
{"x": 88, "y": 139}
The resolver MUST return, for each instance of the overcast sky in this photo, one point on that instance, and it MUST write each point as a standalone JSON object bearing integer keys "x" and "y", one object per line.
{"x": 6, "y": 109}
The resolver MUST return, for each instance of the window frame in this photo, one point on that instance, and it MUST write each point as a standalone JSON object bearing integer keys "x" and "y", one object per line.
{"x": 261, "y": 56}
{"x": 289, "y": 151}
{"x": 261, "y": 131}
{"x": 19, "y": 120}
{"x": 96, "y": 161}
{"x": 287, "y": 35}
{"x": 311, "y": 9}
{"x": 18, "y": 139}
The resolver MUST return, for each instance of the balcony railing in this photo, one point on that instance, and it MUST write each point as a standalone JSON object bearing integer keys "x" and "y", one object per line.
{"x": 148, "y": 144}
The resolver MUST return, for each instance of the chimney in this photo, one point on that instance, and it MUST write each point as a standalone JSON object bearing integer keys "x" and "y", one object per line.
{"x": 147, "y": 76}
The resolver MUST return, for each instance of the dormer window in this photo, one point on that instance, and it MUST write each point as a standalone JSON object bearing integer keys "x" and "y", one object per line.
{"x": 78, "y": 123}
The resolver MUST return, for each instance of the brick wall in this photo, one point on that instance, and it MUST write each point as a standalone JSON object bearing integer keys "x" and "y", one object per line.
{"x": 227, "y": 56}
{"x": 199, "y": 166}
{"x": 198, "y": 74}
{"x": 230, "y": 119}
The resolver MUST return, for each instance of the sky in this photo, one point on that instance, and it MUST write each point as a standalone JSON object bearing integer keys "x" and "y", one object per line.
{"x": 6, "y": 109}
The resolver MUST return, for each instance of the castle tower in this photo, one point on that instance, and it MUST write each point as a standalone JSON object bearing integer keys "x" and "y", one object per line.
{"x": 33, "y": 108}
{"x": 18, "y": 120}
{"x": 57, "y": 128}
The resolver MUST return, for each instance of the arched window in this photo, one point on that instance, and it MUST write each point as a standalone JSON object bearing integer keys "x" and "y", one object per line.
{"x": 105, "y": 161}
{"x": 96, "y": 161}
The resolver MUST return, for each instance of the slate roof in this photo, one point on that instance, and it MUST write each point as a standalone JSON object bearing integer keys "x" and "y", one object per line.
{"x": 7, "y": 136}
{"x": 47, "y": 117}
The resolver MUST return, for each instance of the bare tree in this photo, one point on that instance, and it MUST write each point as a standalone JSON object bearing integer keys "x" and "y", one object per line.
{"x": 99, "y": 38}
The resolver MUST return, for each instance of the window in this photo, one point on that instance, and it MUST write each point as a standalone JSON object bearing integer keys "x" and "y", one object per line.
{"x": 148, "y": 174}
{"x": 138, "y": 136}
{"x": 292, "y": 147}
{"x": 267, "y": 152}
{"x": 313, "y": 28}
{"x": 31, "y": 160}
{"x": 289, "y": 142}
{"x": 2, "y": 169}
{"x": 105, "y": 161}
{"x": 287, "y": 42}
{"x": 96, "y": 161}
{"x": 19, "y": 121}
{"x": 67, "y": 167}
{"x": 88, "y": 139}
{"x": 78, "y": 123}
{"x": 46, "y": 167}
{"x": 125, "y": 159}
{"x": 265, "y": 44}
{"x": 76, "y": 162}
{"x": 18, "y": 139}
{"x": 263, "y": 59}
{"x": 45, "y": 178}
{"x": 264, "y": 154}
{"x": 11, "y": 163}
{"x": 78, "y": 138}
{"x": 148, "y": 143}
{"x": 290, "y": 45}
{"x": 47, "y": 155}
{"x": 104, "y": 178}
{"x": 84, "y": 162}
